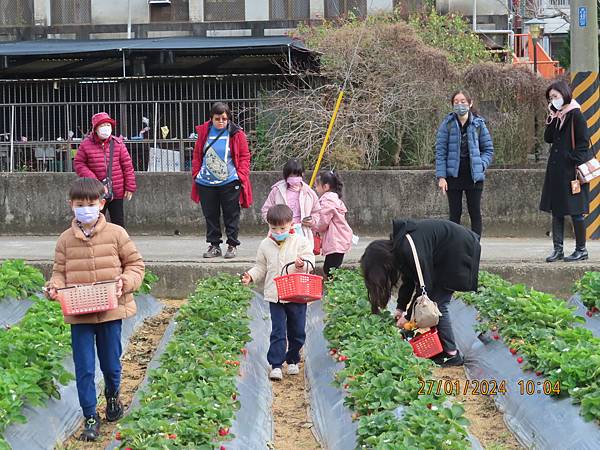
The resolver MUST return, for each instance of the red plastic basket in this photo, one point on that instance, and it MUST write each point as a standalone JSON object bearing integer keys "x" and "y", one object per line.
{"x": 299, "y": 287}
{"x": 427, "y": 344}
{"x": 93, "y": 298}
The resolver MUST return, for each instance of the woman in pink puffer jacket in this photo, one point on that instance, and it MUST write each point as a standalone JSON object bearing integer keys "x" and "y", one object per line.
{"x": 336, "y": 234}
{"x": 92, "y": 159}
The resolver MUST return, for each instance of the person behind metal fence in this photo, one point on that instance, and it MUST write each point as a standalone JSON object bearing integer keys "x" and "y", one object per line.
{"x": 295, "y": 193}
{"x": 567, "y": 132}
{"x": 283, "y": 246}
{"x": 221, "y": 178}
{"x": 449, "y": 256}
{"x": 336, "y": 234}
{"x": 104, "y": 156}
{"x": 93, "y": 250}
{"x": 463, "y": 152}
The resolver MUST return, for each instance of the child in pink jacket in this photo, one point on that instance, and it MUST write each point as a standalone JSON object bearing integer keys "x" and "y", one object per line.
{"x": 295, "y": 193}
{"x": 336, "y": 234}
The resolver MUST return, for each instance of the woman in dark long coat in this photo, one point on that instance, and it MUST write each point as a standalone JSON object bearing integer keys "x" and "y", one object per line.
{"x": 449, "y": 257}
{"x": 567, "y": 131}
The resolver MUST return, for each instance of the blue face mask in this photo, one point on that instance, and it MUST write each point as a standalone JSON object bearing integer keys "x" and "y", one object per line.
{"x": 280, "y": 237}
{"x": 87, "y": 214}
{"x": 461, "y": 110}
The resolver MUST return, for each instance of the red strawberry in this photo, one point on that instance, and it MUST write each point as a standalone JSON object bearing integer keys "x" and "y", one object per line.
{"x": 538, "y": 373}
{"x": 235, "y": 363}
{"x": 589, "y": 313}
{"x": 495, "y": 337}
{"x": 234, "y": 397}
{"x": 346, "y": 386}
{"x": 118, "y": 436}
{"x": 429, "y": 405}
{"x": 595, "y": 309}
{"x": 172, "y": 436}
{"x": 519, "y": 360}
{"x": 223, "y": 431}
{"x": 128, "y": 448}
{"x": 222, "y": 447}
{"x": 513, "y": 351}
{"x": 333, "y": 351}
{"x": 343, "y": 358}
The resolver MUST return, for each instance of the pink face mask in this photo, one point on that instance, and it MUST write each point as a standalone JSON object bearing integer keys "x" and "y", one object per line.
{"x": 294, "y": 182}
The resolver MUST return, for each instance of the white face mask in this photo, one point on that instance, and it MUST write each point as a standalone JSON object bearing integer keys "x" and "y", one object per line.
{"x": 104, "y": 131}
{"x": 558, "y": 103}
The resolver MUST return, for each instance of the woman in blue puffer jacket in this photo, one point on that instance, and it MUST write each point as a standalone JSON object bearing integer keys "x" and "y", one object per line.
{"x": 463, "y": 152}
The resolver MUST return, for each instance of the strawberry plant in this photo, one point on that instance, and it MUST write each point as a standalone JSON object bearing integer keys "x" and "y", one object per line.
{"x": 31, "y": 361}
{"x": 19, "y": 280}
{"x": 542, "y": 329}
{"x": 190, "y": 399}
{"x": 150, "y": 279}
{"x": 588, "y": 287}
{"x": 381, "y": 376}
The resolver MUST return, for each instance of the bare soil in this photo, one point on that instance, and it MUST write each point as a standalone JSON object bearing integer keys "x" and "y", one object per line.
{"x": 487, "y": 423}
{"x": 290, "y": 414}
{"x": 134, "y": 365}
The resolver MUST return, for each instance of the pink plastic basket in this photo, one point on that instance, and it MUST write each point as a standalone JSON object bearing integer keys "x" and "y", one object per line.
{"x": 299, "y": 287}
{"x": 427, "y": 344}
{"x": 93, "y": 298}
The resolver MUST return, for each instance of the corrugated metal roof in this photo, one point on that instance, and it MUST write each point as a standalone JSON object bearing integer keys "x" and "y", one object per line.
{"x": 68, "y": 46}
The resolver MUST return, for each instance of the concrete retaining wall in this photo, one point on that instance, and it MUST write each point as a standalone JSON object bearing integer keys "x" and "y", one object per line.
{"x": 36, "y": 203}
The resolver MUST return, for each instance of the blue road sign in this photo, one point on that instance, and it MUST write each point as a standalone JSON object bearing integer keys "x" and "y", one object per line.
{"x": 582, "y": 16}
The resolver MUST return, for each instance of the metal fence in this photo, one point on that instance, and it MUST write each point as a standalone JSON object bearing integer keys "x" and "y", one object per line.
{"x": 290, "y": 9}
{"x": 65, "y": 12}
{"x": 43, "y": 122}
{"x": 16, "y": 12}
{"x": 224, "y": 10}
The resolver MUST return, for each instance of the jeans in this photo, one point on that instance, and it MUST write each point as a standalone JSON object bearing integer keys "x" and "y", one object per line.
{"x": 115, "y": 211}
{"x": 473, "y": 205}
{"x": 215, "y": 199}
{"x": 106, "y": 337}
{"x": 288, "y": 320}
{"x": 442, "y": 297}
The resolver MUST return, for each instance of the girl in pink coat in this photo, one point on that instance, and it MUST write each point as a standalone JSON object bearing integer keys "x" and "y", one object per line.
{"x": 295, "y": 193}
{"x": 336, "y": 234}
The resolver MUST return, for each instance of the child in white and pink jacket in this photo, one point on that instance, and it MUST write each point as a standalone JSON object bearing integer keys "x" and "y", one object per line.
{"x": 295, "y": 193}
{"x": 336, "y": 234}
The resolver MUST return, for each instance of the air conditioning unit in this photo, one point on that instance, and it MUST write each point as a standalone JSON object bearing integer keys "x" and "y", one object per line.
{"x": 159, "y": 2}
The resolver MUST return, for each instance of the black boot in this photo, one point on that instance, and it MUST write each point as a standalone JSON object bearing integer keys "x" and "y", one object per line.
{"x": 91, "y": 429}
{"x": 580, "y": 253}
{"x": 114, "y": 407}
{"x": 558, "y": 234}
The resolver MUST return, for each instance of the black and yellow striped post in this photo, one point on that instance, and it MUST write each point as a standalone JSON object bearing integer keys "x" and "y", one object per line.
{"x": 586, "y": 90}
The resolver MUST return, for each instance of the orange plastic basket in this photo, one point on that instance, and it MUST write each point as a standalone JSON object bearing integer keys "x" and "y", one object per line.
{"x": 93, "y": 298}
{"x": 427, "y": 344}
{"x": 299, "y": 287}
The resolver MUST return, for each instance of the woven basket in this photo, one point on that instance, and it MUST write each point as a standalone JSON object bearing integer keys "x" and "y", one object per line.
{"x": 93, "y": 298}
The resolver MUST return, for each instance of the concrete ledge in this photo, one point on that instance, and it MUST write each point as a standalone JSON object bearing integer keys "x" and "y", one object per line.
{"x": 35, "y": 203}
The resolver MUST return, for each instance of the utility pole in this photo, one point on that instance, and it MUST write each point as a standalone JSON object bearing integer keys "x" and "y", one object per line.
{"x": 585, "y": 83}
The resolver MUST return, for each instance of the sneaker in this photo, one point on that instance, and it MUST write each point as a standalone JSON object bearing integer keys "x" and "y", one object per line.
{"x": 114, "y": 407}
{"x": 91, "y": 430}
{"x": 293, "y": 369}
{"x": 446, "y": 360}
{"x": 231, "y": 252}
{"x": 213, "y": 251}
{"x": 276, "y": 374}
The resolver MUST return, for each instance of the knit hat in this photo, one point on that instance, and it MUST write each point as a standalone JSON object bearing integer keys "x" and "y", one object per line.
{"x": 100, "y": 118}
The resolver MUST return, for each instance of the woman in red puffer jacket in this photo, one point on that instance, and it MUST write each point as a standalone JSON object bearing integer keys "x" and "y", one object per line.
{"x": 92, "y": 160}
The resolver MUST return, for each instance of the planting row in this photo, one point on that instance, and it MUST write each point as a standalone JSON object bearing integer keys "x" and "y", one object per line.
{"x": 382, "y": 376}
{"x": 540, "y": 331}
{"x": 191, "y": 399}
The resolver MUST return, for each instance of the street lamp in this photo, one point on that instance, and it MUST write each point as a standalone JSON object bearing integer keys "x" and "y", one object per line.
{"x": 536, "y": 28}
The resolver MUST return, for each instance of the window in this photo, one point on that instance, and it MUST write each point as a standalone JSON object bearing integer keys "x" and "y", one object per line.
{"x": 336, "y": 8}
{"x": 224, "y": 10}
{"x": 290, "y": 9}
{"x": 16, "y": 12}
{"x": 173, "y": 11}
{"x": 67, "y": 12}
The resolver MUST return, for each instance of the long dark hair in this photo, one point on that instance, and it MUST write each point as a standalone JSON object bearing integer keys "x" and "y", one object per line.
{"x": 469, "y": 98}
{"x": 332, "y": 179}
{"x": 380, "y": 272}
{"x": 563, "y": 89}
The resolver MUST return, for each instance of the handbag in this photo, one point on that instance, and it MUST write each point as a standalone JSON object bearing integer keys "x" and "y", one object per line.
{"x": 107, "y": 182}
{"x": 213, "y": 157}
{"x": 425, "y": 312}
{"x": 589, "y": 170}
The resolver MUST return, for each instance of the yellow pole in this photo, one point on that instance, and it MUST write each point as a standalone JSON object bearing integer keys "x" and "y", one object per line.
{"x": 327, "y": 135}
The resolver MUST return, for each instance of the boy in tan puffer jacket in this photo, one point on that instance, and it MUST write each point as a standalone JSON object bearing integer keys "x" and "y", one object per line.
{"x": 94, "y": 250}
